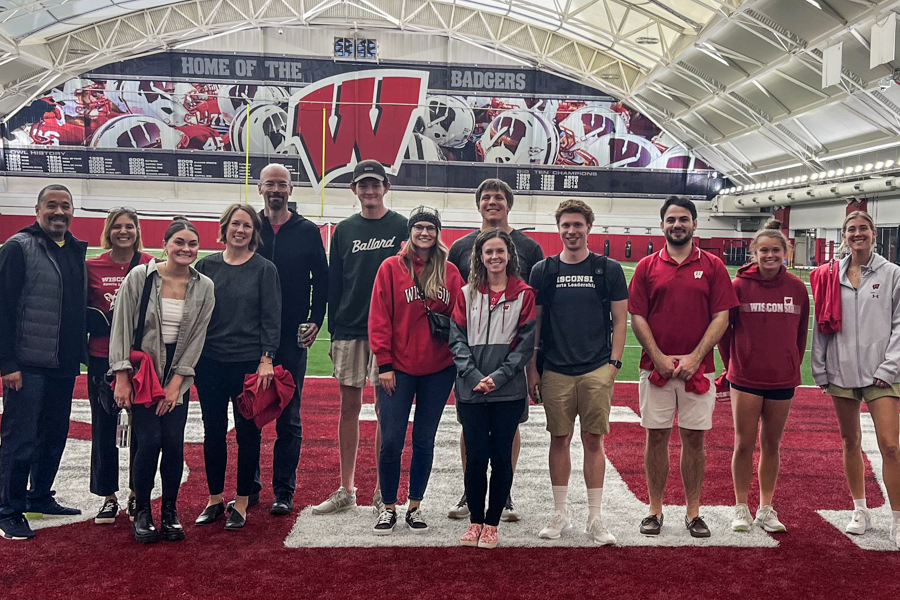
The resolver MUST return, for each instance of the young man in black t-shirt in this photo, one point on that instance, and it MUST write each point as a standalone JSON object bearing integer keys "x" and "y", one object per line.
{"x": 494, "y": 199}
{"x": 582, "y": 307}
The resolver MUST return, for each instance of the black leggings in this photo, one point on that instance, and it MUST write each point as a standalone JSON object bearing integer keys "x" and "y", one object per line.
{"x": 217, "y": 383}
{"x": 154, "y": 434}
{"x": 104, "y": 453}
{"x": 489, "y": 429}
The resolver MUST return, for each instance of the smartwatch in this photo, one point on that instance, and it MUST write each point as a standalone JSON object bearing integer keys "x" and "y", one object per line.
{"x": 616, "y": 363}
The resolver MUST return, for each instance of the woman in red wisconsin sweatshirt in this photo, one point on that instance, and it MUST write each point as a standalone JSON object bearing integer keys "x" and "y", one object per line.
{"x": 762, "y": 350}
{"x": 413, "y": 361}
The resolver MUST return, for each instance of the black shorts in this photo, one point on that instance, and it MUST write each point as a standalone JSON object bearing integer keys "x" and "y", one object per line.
{"x": 779, "y": 394}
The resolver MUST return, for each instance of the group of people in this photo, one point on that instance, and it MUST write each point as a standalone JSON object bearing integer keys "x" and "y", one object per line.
{"x": 490, "y": 319}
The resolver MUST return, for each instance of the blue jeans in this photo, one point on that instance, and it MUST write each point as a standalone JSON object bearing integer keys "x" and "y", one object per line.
{"x": 33, "y": 435}
{"x": 431, "y": 393}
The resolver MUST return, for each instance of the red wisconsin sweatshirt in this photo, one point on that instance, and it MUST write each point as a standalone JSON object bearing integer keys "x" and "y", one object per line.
{"x": 763, "y": 346}
{"x": 399, "y": 334}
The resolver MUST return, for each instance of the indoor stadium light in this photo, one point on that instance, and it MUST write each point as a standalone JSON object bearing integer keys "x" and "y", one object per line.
{"x": 830, "y": 173}
{"x": 822, "y": 174}
{"x": 722, "y": 192}
{"x": 858, "y": 169}
{"x": 739, "y": 189}
{"x": 790, "y": 180}
{"x": 814, "y": 176}
{"x": 770, "y": 184}
{"x": 867, "y": 167}
{"x": 888, "y": 164}
{"x": 879, "y": 165}
{"x": 782, "y": 182}
{"x": 803, "y": 179}
{"x": 839, "y": 172}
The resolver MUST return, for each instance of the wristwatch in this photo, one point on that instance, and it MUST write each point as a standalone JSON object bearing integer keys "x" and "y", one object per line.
{"x": 268, "y": 354}
{"x": 616, "y": 363}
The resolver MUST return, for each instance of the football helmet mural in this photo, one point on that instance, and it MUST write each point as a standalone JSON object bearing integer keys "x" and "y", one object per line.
{"x": 421, "y": 147}
{"x": 448, "y": 120}
{"x": 265, "y": 127}
{"x": 519, "y": 137}
{"x": 138, "y": 131}
{"x": 613, "y": 151}
{"x": 588, "y": 123}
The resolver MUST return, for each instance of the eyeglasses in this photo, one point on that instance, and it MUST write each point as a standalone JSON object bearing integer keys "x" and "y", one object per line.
{"x": 271, "y": 185}
{"x": 125, "y": 209}
{"x": 419, "y": 228}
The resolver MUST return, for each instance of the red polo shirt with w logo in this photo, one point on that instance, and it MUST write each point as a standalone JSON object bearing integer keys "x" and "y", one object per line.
{"x": 679, "y": 300}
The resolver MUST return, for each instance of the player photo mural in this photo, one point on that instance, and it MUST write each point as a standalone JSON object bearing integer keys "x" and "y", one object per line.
{"x": 395, "y": 115}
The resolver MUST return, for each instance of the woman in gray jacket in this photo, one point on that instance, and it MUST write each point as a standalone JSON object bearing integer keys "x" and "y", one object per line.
{"x": 861, "y": 362}
{"x": 179, "y": 306}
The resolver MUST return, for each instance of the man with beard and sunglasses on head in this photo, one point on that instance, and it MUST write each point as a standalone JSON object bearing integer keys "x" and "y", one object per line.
{"x": 43, "y": 298}
{"x": 679, "y": 301}
{"x": 295, "y": 246}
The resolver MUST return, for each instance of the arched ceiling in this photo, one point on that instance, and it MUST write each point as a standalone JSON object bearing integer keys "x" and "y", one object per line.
{"x": 739, "y": 82}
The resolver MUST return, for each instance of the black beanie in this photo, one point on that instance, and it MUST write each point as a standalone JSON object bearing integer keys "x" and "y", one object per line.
{"x": 424, "y": 213}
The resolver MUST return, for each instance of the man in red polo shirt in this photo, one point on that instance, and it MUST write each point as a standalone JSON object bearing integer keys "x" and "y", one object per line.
{"x": 679, "y": 300}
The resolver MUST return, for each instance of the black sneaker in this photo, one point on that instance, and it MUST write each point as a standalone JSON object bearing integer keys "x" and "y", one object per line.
{"x": 131, "y": 508}
{"x": 15, "y": 528}
{"x": 108, "y": 512}
{"x": 697, "y": 527}
{"x": 52, "y": 508}
{"x": 386, "y": 522}
{"x": 415, "y": 521}
{"x": 651, "y": 525}
{"x": 283, "y": 505}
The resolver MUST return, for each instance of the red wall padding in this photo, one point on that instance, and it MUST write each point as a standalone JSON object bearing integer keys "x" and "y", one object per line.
{"x": 90, "y": 229}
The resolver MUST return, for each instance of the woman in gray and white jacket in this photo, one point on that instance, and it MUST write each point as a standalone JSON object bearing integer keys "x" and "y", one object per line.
{"x": 492, "y": 339}
{"x": 861, "y": 362}
{"x": 180, "y": 305}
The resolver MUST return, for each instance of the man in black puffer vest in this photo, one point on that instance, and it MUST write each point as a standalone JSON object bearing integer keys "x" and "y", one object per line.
{"x": 43, "y": 294}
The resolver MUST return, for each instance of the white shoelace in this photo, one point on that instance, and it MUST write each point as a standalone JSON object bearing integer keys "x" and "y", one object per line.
{"x": 558, "y": 521}
{"x": 416, "y": 517}
{"x": 385, "y": 517}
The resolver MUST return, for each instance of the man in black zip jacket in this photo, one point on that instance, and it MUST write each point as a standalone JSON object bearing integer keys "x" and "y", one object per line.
{"x": 295, "y": 246}
{"x": 43, "y": 298}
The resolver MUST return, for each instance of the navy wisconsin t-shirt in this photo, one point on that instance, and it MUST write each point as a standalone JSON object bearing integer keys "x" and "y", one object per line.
{"x": 578, "y": 340}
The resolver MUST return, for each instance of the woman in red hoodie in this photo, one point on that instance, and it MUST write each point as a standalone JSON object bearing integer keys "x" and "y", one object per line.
{"x": 762, "y": 351}
{"x": 413, "y": 361}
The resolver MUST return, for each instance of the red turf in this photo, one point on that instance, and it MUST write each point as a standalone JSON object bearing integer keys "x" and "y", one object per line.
{"x": 813, "y": 561}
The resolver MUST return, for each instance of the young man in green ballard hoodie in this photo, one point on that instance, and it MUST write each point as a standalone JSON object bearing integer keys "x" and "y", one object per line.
{"x": 359, "y": 245}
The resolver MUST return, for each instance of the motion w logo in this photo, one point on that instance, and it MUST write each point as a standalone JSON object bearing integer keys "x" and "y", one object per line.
{"x": 353, "y": 117}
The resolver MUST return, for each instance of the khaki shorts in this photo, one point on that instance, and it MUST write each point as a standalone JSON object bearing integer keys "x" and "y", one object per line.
{"x": 868, "y": 393}
{"x": 353, "y": 362}
{"x": 588, "y": 396}
{"x": 659, "y": 404}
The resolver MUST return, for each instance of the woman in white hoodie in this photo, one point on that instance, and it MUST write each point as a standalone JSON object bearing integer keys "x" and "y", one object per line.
{"x": 861, "y": 362}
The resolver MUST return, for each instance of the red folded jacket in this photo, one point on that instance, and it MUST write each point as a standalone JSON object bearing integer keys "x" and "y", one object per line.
{"x": 266, "y": 405}
{"x": 698, "y": 384}
{"x": 722, "y": 386}
{"x": 825, "y": 282}
{"x": 147, "y": 388}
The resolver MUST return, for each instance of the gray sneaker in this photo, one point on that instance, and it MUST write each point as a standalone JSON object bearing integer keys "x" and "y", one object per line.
{"x": 377, "y": 503}
{"x": 340, "y": 501}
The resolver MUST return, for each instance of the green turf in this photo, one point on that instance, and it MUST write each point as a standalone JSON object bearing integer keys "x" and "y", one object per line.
{"x": 320, "y": 364}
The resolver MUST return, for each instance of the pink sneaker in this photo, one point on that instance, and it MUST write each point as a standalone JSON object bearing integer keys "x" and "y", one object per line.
{"x": 470, "y": 537}
{"x": 489, "y": 538}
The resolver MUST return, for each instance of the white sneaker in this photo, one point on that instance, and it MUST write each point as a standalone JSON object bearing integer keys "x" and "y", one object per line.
{"x": 339, "y": 501}
{"x": 510, "y": 514}
{"x": 377, "y": 503}
{"x": 743, "y": 520}
{"x": 895, "y": 535}
{"x": 461, "y": 510}
{"x": 559, "y": 523}
{"x": 601, "y": 534}
{"x": 767, "y": 518}
{"x": 860, "y": 521}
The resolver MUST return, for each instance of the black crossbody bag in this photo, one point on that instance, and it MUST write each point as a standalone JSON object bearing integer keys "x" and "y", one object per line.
{"x": 438, "y": 324}
{"x": 104, "y": 382}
